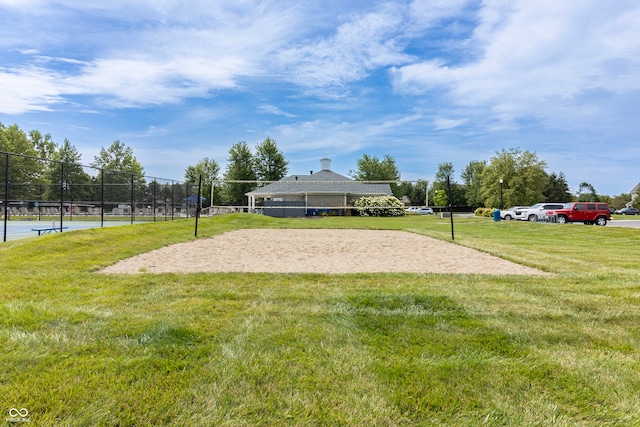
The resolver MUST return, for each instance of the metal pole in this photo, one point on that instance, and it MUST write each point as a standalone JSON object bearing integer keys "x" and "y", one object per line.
{"x": 172, "y": 205}
{"x": 450, "y": 207}
{"x": 198, "y": 204}
{"x": 6, "y": 196}
{"x": 61, "y": 194}
{"x": 188, "y": 204}
{"x": 426, "y": 193}
{"x": 153, "y": 206}
{"x": 101, "y": 197}
{"x": 39, "y": 204}
{"x": 133, "y": 200}
{"x": 211, "y": 201}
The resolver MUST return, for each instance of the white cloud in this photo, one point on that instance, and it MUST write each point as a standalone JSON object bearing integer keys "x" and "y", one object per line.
{"x": 29, "y": 89}
{"x": 537, "y": 58}
{"x": 425, "y": 13}
{"x": 363, "y": 43}
{"x": 271, "y": 109}
{"x": 441, "y": 123}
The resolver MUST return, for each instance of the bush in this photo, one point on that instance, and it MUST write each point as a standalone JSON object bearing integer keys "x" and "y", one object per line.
{"x": 379, "y": 206}
{"x": 488, "y": 212}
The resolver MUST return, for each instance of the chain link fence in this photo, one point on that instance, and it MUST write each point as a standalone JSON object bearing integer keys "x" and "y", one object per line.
{"x": 36, "y": 189}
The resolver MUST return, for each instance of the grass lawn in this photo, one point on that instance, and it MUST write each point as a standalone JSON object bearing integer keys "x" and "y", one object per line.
{"x": 81, "y": 348}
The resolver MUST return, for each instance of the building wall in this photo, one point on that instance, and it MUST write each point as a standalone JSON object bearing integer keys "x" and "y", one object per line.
{"x": 326, "y": 201}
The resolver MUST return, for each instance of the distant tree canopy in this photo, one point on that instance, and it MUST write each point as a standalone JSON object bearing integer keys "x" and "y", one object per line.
{"x": 472, "y": 180}
{"x": 118, "y": 157}
{"x": 269, "y": 163}
{"x": 557, "y": 189}
{"x": 239, "y": 168}
{"x": 416, "y": 192}
{"x": 22, "y": 169}
{"x": 440, "y": 189}
{"x": 523, "y": 179}
{"x": 121, "y": 170}
{"x": 209, "y": 170}
{"x": 76, "y": 182}
{"x": 586, "y": 193}
{"x": 370, "y": 168}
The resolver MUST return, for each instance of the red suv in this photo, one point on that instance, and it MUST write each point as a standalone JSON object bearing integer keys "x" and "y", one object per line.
{"x": 587, "y": 212}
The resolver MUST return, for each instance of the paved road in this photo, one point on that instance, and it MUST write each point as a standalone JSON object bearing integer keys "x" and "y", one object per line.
{"x": 630, "y": 223}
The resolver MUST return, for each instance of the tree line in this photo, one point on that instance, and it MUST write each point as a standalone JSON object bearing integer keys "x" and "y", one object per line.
{"x": 511, "y": 177}
{"x": 117, "y": 177}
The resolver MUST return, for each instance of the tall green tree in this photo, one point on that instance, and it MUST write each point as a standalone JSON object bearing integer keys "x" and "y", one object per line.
{"x": 370, "y": 168}
{"x": 120, "y": 167}
{"x": 76, "y": 182}
{"x": 209, "y": 170}
{"x": 472, "y": 180}
{"x": 118, "y": 157}
{"x": 619, "y": 201}
{"x": 25, "y": 170}
{"x": 239, "y": 168}
{"x": 587, "y": 193}
{"x": 523, "y": 175}
{"x": 269, "y": 163}
{"x": 557, "y": 189}
{"x": 446, "y": 170}
{"x": 43, "y": 144}
{"x": 416, "y": 192}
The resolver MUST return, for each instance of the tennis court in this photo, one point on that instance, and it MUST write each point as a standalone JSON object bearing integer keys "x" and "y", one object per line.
{"x": 21, "y": 229}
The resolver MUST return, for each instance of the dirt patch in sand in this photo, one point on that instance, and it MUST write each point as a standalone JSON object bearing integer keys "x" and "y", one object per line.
{"x": 318, "y": 251}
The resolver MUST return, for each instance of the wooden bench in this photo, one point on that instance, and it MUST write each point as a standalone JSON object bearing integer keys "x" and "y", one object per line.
{"x": 47, "y": 230}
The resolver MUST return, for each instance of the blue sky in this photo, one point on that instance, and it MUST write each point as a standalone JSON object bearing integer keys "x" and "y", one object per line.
{"x": 425, "y": 81}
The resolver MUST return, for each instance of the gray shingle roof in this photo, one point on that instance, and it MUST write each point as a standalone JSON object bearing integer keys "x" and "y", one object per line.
{"x": 322, "y": 182}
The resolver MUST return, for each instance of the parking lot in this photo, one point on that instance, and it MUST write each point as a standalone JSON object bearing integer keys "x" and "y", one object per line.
{"x": 624, "y": 223}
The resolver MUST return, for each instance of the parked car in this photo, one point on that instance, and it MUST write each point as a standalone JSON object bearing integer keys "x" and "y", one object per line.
{"x": 510, "y": 213}
{"x": 537, "y": 211}
{"x": 628, "y": 211}
{"x": 587, "y": 212}
{"x": 423, "y": 210}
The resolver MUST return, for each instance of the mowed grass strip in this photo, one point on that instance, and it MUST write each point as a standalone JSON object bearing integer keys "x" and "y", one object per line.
{"x": 82, "y": 348}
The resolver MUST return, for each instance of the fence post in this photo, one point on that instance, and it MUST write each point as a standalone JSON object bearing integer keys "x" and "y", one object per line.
{"x": 198, "y": 204}
{"x": 6, "y": 196}
{"x": 153, "y": 206}
{"x": 133, "y": 200}
{"x": 61, "y": 194}
{"x": 102, "y": 197}
{"x": 187, "y": 199}
{"x": 450, "y": 206}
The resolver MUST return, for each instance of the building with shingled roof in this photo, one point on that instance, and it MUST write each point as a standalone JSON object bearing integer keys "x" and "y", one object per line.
{"x": 322, "y": 192}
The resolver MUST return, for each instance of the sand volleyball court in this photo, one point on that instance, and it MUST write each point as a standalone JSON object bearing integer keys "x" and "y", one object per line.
{"x": 318, "y": 251}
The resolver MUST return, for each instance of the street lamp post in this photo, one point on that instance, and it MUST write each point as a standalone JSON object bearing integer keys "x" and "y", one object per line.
{"x": 501, "y": 181}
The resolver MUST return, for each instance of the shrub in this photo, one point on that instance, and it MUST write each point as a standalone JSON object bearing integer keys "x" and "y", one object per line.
{"x": 488, "y": 212}
{"x": 379, "y": 206}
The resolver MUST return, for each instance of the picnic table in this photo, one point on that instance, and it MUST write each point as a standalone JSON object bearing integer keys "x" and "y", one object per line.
{"x": 47, "y": 230}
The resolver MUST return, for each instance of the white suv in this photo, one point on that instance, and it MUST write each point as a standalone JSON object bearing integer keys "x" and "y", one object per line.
{"x": 510, "y": 213}
{"x": 537, "y": 211}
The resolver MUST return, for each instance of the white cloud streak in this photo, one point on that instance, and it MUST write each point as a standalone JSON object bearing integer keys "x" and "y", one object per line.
{"x": 538, "y": 59}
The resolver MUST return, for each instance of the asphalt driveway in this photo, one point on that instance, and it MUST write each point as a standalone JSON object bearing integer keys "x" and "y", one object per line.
{"x": 630, "y": 223}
